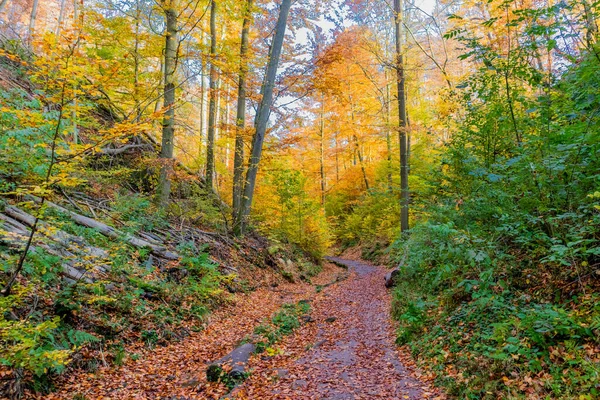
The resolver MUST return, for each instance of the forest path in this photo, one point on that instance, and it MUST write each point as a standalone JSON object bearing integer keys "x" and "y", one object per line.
{"x": 346, "y": 352}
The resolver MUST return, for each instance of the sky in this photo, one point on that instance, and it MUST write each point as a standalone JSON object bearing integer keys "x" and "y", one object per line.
{"x": 301, "y": 37}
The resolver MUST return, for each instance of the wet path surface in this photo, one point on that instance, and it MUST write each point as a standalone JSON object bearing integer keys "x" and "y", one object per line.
{"x": 350, "y": 352}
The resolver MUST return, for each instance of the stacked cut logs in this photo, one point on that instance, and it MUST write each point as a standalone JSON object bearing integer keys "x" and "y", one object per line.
{"x": 80, "y": 260}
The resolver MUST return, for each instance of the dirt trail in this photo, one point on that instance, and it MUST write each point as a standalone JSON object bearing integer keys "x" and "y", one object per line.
{"x": 348, "y": 352}
{"x": 178, "y": 371}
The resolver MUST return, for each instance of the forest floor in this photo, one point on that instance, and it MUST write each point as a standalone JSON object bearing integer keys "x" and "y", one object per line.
{"x": 344, "y": 349}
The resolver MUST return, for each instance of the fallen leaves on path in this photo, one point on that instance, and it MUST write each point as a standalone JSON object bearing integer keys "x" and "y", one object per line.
{"x": 347, "y": 353}
{"x": 178, "y": 370}
{"x": 345, "y": 350}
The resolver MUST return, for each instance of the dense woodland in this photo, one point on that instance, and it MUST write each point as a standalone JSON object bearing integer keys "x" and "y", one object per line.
{"x": 158, "y": 156}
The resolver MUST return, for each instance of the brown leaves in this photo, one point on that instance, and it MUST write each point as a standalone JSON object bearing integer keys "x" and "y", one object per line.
{"x": 179, "y": 368}
{"x": 353, "y": 355}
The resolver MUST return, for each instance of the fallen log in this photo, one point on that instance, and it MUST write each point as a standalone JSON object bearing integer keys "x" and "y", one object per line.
{"x": 109, "y": 231}
{"x": 76, "y": 243}
{"x": 237, "y": 360}
{"x": 336, "y": 261}
{"x": 17, "y": 239}
{"x": 123, "y": 149}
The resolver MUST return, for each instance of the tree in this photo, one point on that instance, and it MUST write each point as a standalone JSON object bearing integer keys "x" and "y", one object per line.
{"x": 212, "y": 102}
{"x": 402, "y": 123}
{"x": 240, "y": 120}
{"x": 61, "y": 16}
{"x": 262, "y": 116}
{"x": 33, "y": 17}
{"x": 168, "y": 125}
{"x": 3, "y": 4}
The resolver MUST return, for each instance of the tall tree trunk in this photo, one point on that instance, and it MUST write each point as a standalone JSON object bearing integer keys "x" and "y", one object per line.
{"x": 3, "y": 4}
{"x": 337, "y": 159}
{"x": 136, "y": 62}
{"x": 160, "y": 88}
{"x": 357, "y": 151}
{"x": 77, "y": 15}
{"x": 240, "y": 119}
{"x": 212, "y": 105}
{"x": 262, "y": 116}
{"x": 61, "y": 16}
{"x": 402, "y": 123}
{"x": 322, "y": 151}
{"x": 168, "y": 130}
{"x": 218, "y": 126}
{"x": 202, "y": 104}
{"x": 590, "y": 24}
{"x": 32, "y": 19}
{"x": 388, "y": 134}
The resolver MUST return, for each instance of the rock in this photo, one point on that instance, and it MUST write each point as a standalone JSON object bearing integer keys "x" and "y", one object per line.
{"x": 282, "y": 373}
{"x": 391, "y": 277}
{"x": 238, "y": 359}
{"x": 299, "y": 384}
{"x": 149, "y": 263}
{"x": 307, "y": 318}
{"x": 110, "y": 287}
{"x": 330, "y": 319}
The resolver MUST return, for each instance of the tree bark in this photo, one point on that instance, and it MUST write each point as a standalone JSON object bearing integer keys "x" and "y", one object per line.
{"x": 402, "y": 123}
{"x": 168, "y": 130}
{"x": 111, "y": 232}
{"x": 32, "y": 18}
{"x": 61, "y": 16}
{"x": 202, "y": 103}
{"x": 322, "y": 151}
{"x": 3, "y": 4}
{"x": 262, "y": 116}
{"x": 212, "y": 105}
{"x": 357, "y": 151}
{"x": 136, "y": 62}
{"x": 388, "y": 134}
{"x": 236, "y": 360}
{"x": 240, "y": 120}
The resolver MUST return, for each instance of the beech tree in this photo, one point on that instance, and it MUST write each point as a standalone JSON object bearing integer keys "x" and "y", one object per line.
{"x": 240, "y": 120}
{"x": 212, "y": 102}
{"x": 402, "y": 122}
{"x": 262, "y": 116}
{"x": 168, "y": 124}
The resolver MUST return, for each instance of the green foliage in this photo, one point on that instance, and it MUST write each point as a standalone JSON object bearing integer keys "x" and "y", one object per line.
{"x": 138, "y": 213}
{"x": 458, "y": 307}
{"x": 500, "y": 291}
{"x": 289, "y": 214}
{"x": 375, "y": 217}
{"x": 31, "y": 343}
{"x": 283, "y": 323}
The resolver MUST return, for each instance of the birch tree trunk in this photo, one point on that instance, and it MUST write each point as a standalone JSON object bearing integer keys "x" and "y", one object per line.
{"x": 262, "y": 116}
{"x": 402, "y": 123}
{"x": 168, "y": 129}
{"x": 212, "y": 105}
{"x": 240, "y": 119}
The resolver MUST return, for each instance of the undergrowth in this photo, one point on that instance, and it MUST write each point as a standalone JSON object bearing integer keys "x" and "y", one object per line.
{"x": 282, "y": 323}
{"x": 47, "y": 325}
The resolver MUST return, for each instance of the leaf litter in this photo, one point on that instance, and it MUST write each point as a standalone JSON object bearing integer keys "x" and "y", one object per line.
{"x": 345, "y": 350}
